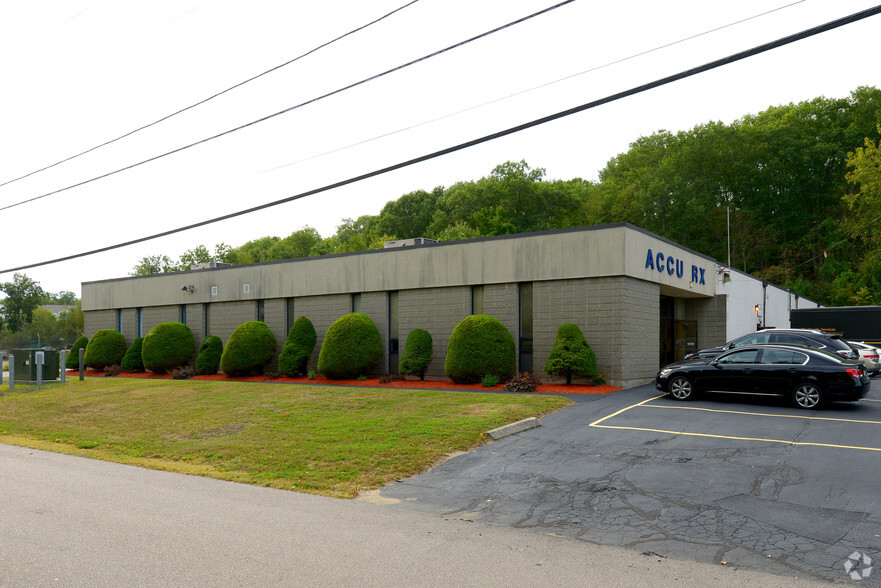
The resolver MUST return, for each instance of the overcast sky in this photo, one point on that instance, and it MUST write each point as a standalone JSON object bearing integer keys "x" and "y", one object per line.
{"x": 78, "y": 73}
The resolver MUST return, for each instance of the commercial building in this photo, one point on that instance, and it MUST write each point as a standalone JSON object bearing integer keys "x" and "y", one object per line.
{"x": 641, "y": 300}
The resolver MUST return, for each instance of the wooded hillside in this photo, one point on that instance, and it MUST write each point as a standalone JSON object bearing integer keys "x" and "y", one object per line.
{"x": 802, "y": 183}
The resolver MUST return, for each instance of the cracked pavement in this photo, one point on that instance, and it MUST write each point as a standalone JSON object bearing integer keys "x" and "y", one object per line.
{"x": 755, "y": 484}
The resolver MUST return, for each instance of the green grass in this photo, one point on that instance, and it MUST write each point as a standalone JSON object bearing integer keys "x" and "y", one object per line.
{"x": 326, "y": 440}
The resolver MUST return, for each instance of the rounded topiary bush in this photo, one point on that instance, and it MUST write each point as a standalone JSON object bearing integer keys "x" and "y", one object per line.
{"x": 132, "y": 361}
{"x": 351, "y": 347}
{"x": 417, "y": 353}
{"x": 73, "y": 357}
{"x": 298, "y": 348}
{"x": 479, "y": 346}
{"x": 571, "y": 355}
{"x": 250, "y": 347}
{"x": 208, "y": 360}
{"x": 167, "y": 346}
{"x": 106, "y": 347}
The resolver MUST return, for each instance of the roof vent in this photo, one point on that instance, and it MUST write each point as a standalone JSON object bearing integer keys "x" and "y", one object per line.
{"x": 407, "y": 242}
{"x": 209, "y": 265}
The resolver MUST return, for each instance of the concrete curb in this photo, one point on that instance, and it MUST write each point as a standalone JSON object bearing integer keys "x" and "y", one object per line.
{"x": 506, "y": 430}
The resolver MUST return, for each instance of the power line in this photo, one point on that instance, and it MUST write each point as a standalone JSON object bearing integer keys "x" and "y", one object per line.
{"x": 289, "y": 109}
{"x": 212, "y": 97}
{"x": 526, "y": 91}
{"x": 858, "y": 16}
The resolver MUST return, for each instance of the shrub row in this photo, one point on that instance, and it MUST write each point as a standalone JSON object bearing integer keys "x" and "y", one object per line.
{"x": 481, "y": 349}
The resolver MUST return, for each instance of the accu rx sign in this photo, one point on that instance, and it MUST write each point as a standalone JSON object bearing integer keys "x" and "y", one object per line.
{"x": 658, "y": 261}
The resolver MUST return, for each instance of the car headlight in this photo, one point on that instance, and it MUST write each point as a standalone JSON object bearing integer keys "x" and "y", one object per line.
{"x": 664, "y": 372}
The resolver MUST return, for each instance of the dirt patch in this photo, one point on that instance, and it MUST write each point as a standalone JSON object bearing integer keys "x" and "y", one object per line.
{"x": 546, "y": 388}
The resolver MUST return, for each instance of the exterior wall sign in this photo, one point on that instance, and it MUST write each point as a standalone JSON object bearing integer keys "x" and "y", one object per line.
{"x": 671, "y": 265}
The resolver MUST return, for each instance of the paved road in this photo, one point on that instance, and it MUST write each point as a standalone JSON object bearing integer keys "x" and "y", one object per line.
{"x": 758, "y": 484}
{"x": 68, "y": 521}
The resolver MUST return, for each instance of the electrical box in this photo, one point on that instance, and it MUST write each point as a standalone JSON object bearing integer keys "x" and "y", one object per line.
{"x": 26, "y": 364}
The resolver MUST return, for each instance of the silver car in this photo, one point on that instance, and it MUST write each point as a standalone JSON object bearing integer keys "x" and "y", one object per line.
{"x": 870, "y": 355}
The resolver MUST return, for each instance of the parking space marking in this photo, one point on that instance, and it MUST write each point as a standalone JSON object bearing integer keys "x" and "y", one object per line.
{"x": 766, "y": 414}
{"x": 715, "y": 436}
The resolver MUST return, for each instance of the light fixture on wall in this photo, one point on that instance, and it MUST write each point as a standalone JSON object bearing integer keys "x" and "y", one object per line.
{"x": 758, "y": 309}
{"x": 187, "y": 289}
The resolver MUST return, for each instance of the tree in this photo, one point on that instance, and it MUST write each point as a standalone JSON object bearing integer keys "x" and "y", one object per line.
{"x": 571, "y": 355}
{"x": 23, "y": 296}
{"x": 64, "y": 297}
{"x": 153, "y": 265}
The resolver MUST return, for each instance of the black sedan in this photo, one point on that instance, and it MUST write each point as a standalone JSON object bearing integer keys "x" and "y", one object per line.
{"x": 809, "y": 377}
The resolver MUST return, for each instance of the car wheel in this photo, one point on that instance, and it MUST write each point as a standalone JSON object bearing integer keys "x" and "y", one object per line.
{"x": 807, "y": 395}
{"x": 681, "y": 388}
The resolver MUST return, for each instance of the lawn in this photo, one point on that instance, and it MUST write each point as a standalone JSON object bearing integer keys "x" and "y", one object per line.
{"x": 328, "y": 440}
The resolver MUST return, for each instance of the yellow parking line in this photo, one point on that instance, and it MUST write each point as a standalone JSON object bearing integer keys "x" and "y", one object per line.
{"x": 782, "y": 416}
{"x": 801, "y": 443}
{"x": 596, "y": 423}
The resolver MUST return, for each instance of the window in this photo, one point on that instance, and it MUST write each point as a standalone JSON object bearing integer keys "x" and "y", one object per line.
{"x": 783, "y": 357}
{"x": 183, "y": 314}
{"x": 393, "y": 337}
{"x": 260, "y": 314}
{"x": 525, "y": 319}
{"x": 739, "y": 357}
{"x": 206, "y": 316}
{"x": 477, "y": 306}
{"x": 356, "y": 303}
{"x": 246, "y": 288}
{"x": 119, "y": 320}
{"x": 758, "y": 338}
{"x": 289, "y": 314}
{"x": 140, "y": 320}
{"x": 788, "y": 339}
{"x": 214, "y": 290}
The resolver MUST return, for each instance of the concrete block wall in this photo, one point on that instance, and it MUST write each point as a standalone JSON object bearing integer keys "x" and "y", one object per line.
{"x": 375, "y": 305}
{"x": 322, "y": 311}
{"x": 623, "y": 319}
{"x": 710, "y": 314}
{"x": 555, "y": 303}
{"x": 274, "y": 316}
{"x": 225, "y": 317}
{"x": 438, "y": 311}
{"x": 96, "y": 320}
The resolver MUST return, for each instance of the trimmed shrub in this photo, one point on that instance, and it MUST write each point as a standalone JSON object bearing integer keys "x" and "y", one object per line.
{"x": 167, "y": 346}
{"x": 480, "y": 345}
{"x": 208, "y": 361}
{"x": 106, "y": 347}
{"x": 249, "y": 349}
{"x": 73, "y": 357}
{"x": 571, "y": 355}
{"x": 351, "y": 347}
{"x": 132, "y": 361}
{"x": 298, "y": 348}
{"x": 417, "y": 353}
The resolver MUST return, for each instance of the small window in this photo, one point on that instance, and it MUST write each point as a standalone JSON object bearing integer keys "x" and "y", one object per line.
{"x": 477, "y": 300}
{"x": 739, "y": 357}
{"x": 183, "y": 314}
{"x": 246, "y": 288}
{"x": 757, "y": 339}
{"x": 783, "y": 357}
{"x": 260, "y": 313}
{"x": 214, "y": 290}
{"x": 356, "y": 302}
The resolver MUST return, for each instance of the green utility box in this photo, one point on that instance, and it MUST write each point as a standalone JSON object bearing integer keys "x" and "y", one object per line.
{"x": 26, "y": 364}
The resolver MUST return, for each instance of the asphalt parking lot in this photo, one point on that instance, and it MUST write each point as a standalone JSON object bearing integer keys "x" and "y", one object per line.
{"x": 737, "y": 481}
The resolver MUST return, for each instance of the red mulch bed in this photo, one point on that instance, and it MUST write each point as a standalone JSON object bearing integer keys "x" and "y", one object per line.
{"x": 370, "y": 382}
